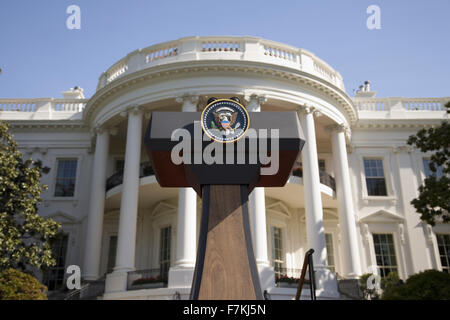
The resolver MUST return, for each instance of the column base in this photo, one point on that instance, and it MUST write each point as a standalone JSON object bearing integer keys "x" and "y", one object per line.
{"x": 266, "y": 276}
{"x": 116, "y": 282}
{"x": 181, "y": 277}
{"x": 326, "y": 283}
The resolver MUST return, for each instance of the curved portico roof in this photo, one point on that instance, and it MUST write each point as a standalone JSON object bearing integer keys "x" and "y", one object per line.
{"x": 194, "y": 56}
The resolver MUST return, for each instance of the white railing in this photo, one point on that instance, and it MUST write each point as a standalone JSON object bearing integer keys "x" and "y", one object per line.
{"x": 41, "y": 109}
{"x": 220, "y": 48}
{"x": 219, "y": 45}
{"x": 159, "y": 52}
{"x": 400, "y": 104}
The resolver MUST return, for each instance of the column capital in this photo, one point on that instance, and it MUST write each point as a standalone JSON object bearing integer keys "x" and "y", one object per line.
{"x": 255, "y": 98}
{"x": 99, "y": 129}
{"x": 133, "y": 108}
{"x": 307, "y": 109}
{"x": 191, "y": 97}
{"x": 336, "y": 128}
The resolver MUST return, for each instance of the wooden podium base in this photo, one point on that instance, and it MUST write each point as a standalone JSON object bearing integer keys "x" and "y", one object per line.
{"x": 225, "y": 267}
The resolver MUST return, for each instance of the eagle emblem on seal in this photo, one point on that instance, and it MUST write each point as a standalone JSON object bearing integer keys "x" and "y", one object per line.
{"x": 225, "y": 120}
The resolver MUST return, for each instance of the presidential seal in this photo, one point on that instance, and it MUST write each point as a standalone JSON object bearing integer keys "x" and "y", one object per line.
{"x": 225, "y": 120}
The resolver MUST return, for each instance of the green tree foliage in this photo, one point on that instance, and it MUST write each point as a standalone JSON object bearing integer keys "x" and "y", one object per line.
{"x": 24, "y": 235}
{"x": 433, "y": 202}
{"x": 427, "y": 285}
{"x": 16, "y": 285}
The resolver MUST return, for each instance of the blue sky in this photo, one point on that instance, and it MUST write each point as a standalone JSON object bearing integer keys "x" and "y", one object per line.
{"x": 408, "y": 56}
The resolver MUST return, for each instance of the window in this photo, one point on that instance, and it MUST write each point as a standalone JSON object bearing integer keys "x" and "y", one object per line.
{"x": 120, "y": 164}
{"x": 54, "y": 276}
{"x": 330, "y": 252}
{"x": 164, "y": 251}
{"x": 385, "y": 254}
{"x": 322, "y": 165}
{"x": 277, "y": 250}
{"x": 112, "y": 253}
{"x": 428, "y": 172}
{"x": 443, "y": 241}
{"x": 375, "y": 181}
{"x": 65, "y": 178}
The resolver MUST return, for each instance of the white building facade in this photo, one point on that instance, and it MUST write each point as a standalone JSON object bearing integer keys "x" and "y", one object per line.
{"x": 348, "y": 197}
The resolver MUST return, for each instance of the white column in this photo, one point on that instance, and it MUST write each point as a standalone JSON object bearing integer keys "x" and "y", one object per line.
{"x": 93, "y": 245}
{"x": 186, "y": 228}
{"x": 126, "y": 242}
{"x": 311, "y": 181}
{"x": 257, "y": 213}
{"x": 257, "y": 202}
{"x": 181, "y": 274}
{"x": 326, "y": 281}
{"x": 349, "y": 239}
{"x": 257, "y": 210}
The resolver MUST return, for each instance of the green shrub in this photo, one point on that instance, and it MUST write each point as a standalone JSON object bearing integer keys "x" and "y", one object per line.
{"x": 427, "y": 285}
{"x": 16, "y": 285}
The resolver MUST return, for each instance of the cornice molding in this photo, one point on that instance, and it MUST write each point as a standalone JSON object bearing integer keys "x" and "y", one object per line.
{"x": 401, "y": 149}
{"x": 397, "y": 124}
{"x": 47, "y": 124}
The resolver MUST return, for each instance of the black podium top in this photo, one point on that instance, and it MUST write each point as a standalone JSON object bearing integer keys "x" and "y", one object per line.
{"x": 159, "y": 148}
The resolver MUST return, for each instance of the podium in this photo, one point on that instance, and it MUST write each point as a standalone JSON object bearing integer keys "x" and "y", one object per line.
{"x": 225, "y": 267}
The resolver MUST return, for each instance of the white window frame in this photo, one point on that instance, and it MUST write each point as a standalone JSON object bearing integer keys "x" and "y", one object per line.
{"x": 280, "y": 220}
{"x": 423, "y": 170}
{"x": 377, "y": 177}
{"x": 170, "y": 248}
{"x": 441, "y": 268}
{"x": 54, "y": 174}
{"x": 166, "y": 218}
{"x": 391, "y": 228}
{"x": 386, "y": 158}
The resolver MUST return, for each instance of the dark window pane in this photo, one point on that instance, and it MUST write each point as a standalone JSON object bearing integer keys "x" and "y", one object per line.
{"x": 385, "y": 253}
{"x": 54, "y": 276}
{"x": 65, "y": 178}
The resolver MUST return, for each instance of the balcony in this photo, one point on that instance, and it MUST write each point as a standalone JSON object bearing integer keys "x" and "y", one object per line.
{"x": 325, "y": 178}
{"x": 145, "y": 170}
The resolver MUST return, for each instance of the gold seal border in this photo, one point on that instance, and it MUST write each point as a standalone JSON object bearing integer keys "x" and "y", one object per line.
{"x": 232, "y": 101}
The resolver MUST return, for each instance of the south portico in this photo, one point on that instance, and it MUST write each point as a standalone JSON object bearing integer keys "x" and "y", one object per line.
{"x": 180, "y": 274}
{"x": 125, "y": 100}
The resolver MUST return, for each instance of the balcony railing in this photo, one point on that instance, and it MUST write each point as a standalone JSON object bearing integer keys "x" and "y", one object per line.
{"x": 220, "y": 48}
{"x": 325, "y": 178}
{"x": 145, "y": 170}
{"x": 42, "y": 109}
{"x": 417, "y": 105}
{"x": 146, "y": 279}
